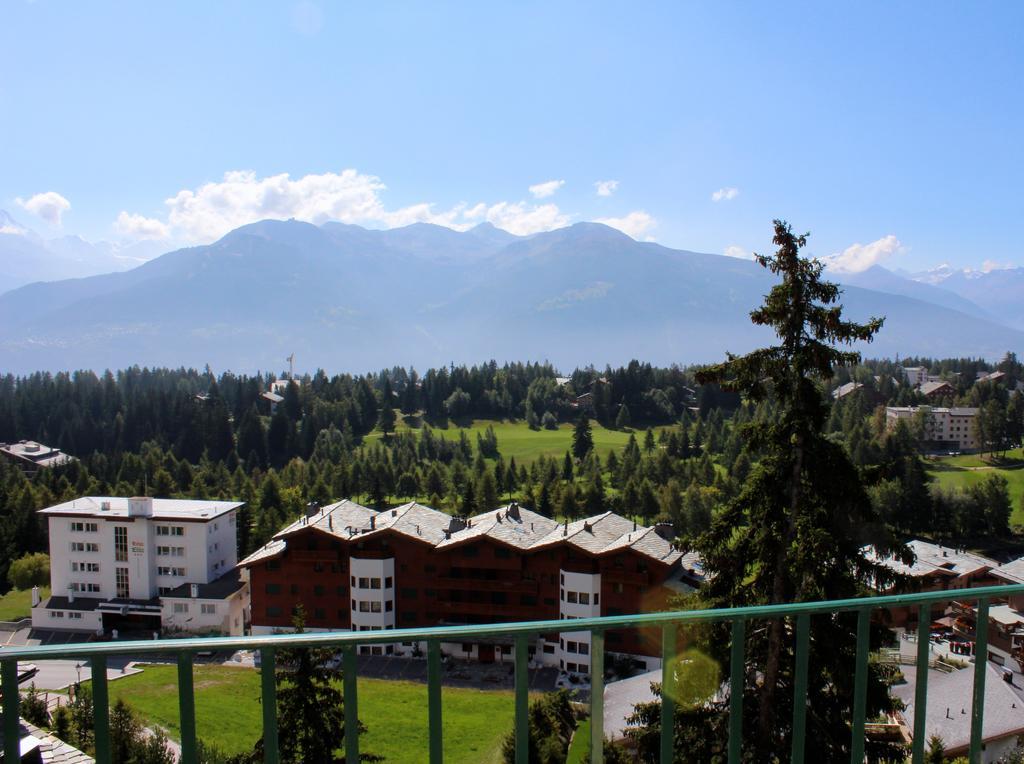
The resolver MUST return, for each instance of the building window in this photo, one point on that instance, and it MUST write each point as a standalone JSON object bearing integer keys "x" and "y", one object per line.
{"x": 597, "y": 598}
{"x": 584, "y": 648}
{"x": 319, "y": 613}
{"x": 409, "y": 594}
{"x": 389, "y": 606}
{"x": 388, "y": 583}
{"x": 364, "y": 606}
{"x": 570, "y": 597}
{"x": 318, "y": 567}
{"x": 571, "y": 647}
{"x": 170, "y": 571}
{"x": 272, "y": 588}
{"x": 467, "y": 647}
{"x": 180, "y": 607}
{"x": 57, "y": 614}
{"x": 170, "y": 551}
{"x": 318, "y": 590}
{"x": 273, "y": 611}
{"x": 584, "y": 598}
{"x": 470, "y": 551}
{"x": 571, "y": 668}
{"x": 121, "y": 581}
{"x": 74, "y": 614}
{"x": 120, "y": 544}
{"x": 502, "y": 553}
{"x": 84, "y": 546}
{"x": 549, "y": 649}
{"x": 374, "y": 607}
{"x": 84, "y": 527}
{"x": 364, "y": 583}
{"x": 375, "y": 583}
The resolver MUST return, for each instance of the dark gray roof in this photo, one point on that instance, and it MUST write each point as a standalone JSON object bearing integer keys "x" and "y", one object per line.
{"x": 220, "y": 589}
{"x": 84, "y": 604}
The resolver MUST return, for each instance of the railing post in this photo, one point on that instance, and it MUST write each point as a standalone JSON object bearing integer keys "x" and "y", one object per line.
{"x": 100, "y": 708}
{"x": 186, "y": 708}
{"x": 737, "y": 680}
{"x": 350, "y": 675}
{"x": 522, "y": 678}
{"x": 597, "y": 697}
{"x": 434, "y": 700}
{"x": 12, "y": 726}
{"x": 668, "y": 688}
{"x": 268, "y": 684}
{"x": 924, "y": 622}
{"x": 803, "y": 641}
{"x": 980, "y": 667}
{"x": 860, "y": 686}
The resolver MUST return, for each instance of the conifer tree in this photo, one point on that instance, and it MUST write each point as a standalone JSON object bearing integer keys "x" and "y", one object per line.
{"x": 796, "y": 529}
{"x": 582, "y": 438}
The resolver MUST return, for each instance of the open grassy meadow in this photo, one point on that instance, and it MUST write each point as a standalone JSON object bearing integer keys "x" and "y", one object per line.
{"x": 228, "y": 713}
{"x": 968, "y": 469}
{"x": 17, "y": 603}
{"x": 517, "y": 440}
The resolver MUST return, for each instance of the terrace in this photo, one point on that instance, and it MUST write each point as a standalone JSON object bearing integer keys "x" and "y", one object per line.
{"x": 798, "y": 615}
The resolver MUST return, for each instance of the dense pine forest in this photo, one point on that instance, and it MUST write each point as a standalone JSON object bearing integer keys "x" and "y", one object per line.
{"x": 396, "y": 436}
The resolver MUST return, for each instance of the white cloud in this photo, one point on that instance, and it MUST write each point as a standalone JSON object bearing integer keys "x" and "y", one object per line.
{"x": 216, "y": 208}
{"x": 523, "y": 219}
{"x": 726, "y": 194}
{"x": 546, "y": 189}
{"x": 12, "y": 230}
{"x": 635, "y": 224}
{"x": 991, "y": 265}
{"x": 738, "y": 252}
{"x": 136, "y": 226}
{"x": 606, "y": 187}
{"x": 50, "y": 206}
{"x": 859, "y": 257}
{"x": 213, "y": 209}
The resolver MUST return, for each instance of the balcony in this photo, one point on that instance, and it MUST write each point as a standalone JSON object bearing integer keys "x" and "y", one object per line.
{"x": 521, "y": 635}
{"x": 518, "y": 586}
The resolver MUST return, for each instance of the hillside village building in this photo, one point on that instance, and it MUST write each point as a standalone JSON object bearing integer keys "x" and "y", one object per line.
{"x": 143, "y": 564}
{"x": 32, "y": 456}
{"x": 945, "y": 429}
{"x": 351, "y": 567}
{"x": 941, "y": 568}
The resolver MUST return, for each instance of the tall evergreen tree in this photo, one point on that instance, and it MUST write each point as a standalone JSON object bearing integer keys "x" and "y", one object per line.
{"x": 582, "y": 438}
{"x": 796, "y": 529}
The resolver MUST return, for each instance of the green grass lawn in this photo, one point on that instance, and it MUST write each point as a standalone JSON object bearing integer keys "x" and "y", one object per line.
{"x": 228, "y": 713}
{"x": 580, "y": 745}
{"x": 956, "y": 472}
{"x": 17, "y": 603}
{"x": 517, "y": 440}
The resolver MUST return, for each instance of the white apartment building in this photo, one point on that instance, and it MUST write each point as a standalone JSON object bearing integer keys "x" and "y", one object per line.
{"x": 143, "y": 564}
{"x": 944, "y": 428}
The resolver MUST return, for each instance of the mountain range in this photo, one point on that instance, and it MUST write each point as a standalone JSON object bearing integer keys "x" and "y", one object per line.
{"x": 343, "y": 297}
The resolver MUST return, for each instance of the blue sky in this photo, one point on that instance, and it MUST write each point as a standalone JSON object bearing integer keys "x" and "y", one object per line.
{"x": 891, "y": 125}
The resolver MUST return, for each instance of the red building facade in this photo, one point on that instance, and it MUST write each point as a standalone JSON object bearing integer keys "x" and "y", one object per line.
{"x": 351, "y": 567}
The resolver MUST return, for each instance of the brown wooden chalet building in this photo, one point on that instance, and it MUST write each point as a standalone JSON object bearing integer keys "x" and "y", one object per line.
{"x": 351, "y": 567}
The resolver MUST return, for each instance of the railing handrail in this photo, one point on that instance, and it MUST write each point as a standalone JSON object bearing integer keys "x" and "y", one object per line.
{"x": 519, "y": 628}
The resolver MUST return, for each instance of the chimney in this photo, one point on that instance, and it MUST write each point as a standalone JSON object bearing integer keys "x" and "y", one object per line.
{"x": 394, "y": 513}
{"x": 194, "y": 591}
{"x": 104, "y": 506}
{"x": 634, "y": 525}
{"x": 35, "y": 596}
{"x": 587, "y": 527}
{"x": 513, "y": 511}
{"x": 373, "y": 522}
{"x": 140, "y": 506}
{"x": 447, "y": 534}
{"x": 330, "y": 522}
{"x": 666, "y": 531}
{"x": 312, "y": 508}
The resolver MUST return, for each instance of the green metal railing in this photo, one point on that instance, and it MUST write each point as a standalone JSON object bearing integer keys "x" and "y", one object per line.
{"x": 521, "y": 633}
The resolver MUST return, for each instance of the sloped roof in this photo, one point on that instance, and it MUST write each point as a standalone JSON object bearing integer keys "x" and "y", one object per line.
{"x": 932, "y": 387}
{"x": 512, "y": 525}
{"x": 948, "y": 712}
{"x": 932, "y": 558}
